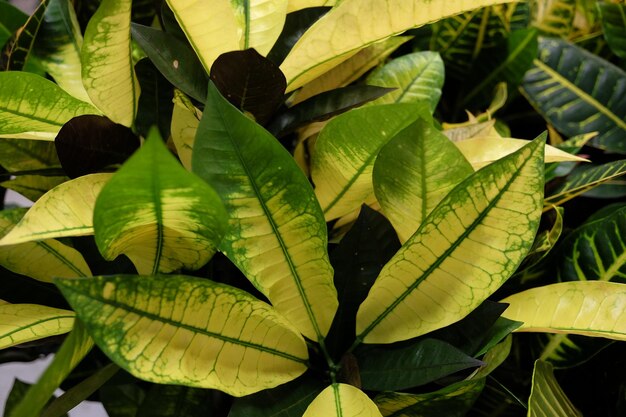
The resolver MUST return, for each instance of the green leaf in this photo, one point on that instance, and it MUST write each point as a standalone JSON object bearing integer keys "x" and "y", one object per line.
{"x": 21, "y": 47}
{"x": 547, "y": 399}
{"x": 23, "y": 323}
{"x": 123, "y": 400}
{"x": 452, "y": 401}
{"x": 588, "y": 308}
{"x": 107, "y": 67}
{"x": 584, "y": 180}
{"x": 345, "y": 151}
{"x": 324, "y": 106}
{"x": 74, "y": 348}
{"x": 42, "y": 260}
{"x": 277, "y": 234}
{"x": 158, "y": 214}
{"x": 613, "y": 18}
{"x": 338, "y": 34}
{"x": 595, "y": 251}
{"x": 174, "y": 59}
{"x": 155, "y": 103}
{"x": 32, "y": 104}
{"x": 358, "y": 259}
{"x": 402, "y": 366}
{"x": 507, "y": 62}
{"x": 66, "y": 210}
{"x": 58, "y": 47}
{"x": 11, "y": 19}
{"x": 342, "y": 400}
{"x": 80, "y": 392}
{"x": 250, "y": 82}
{"x": 578, "y": 92}
{"x": 26, "y": 155}
{"x": 288, "y": 400}
{"x": 416, "y": 77}
{"x": 221, "y": 337}
{"x": 413, "y": 172}
{"x": 175, "y": 401}
{"x": 426, "y": 285}
{"x": 351, "y": 69}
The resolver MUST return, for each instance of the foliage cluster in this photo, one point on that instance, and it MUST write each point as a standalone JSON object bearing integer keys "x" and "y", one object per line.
{"x": 279, "y": 208}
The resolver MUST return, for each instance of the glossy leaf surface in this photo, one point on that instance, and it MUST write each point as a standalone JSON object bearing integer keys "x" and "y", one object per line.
{"x": 261, "y": 22}
{"x": 41, "y": 260}
{"x": 277, "y": 234}
{"x": 413, "y": 172}
{"x": 589, "y": 308}
{"x": 613, "y": 18}
{"x": 29, "y": 103}
{"x": 404, "y": 366}
{"x": 174, "y": 59}
{"x": 22, "y": 323}
{"x": 345, "y": 151}
{"x": 158, "y": 214}
{"x": 416, "y": 77}
{"x": 337, "y": 34}
{"x": 66, "y": 210}
{"x": 342, "y": 400}
{"x": 547, "y": 399}
{"x": 107, "y": 67}
{"x": 221, "y": 338}
{"x": 465, "y": 249}
{"x": 578, "y": 92}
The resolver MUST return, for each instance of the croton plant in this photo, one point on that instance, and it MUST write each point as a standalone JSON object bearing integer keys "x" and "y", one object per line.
{"x": 279, "y": 208}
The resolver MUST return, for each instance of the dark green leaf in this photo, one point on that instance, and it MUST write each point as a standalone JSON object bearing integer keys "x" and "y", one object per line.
{"x": 288, "y": 400}
{"x": 295, "y": 25}
{"x": 250, "y": 82}
{"x": 21, "y": 46}
{"x": 174, "y": 59}
{"x": 155, "y": 103}
{"x": 170, "y": 24}
{"x": 175, "y": 401}
{"x": 324, "y": 106}
{"x": 470, "y": 334}
{"x": 613, "y": 18}
{"x": 578, "y": 92}
{"x": 80, "y": 392}
{"x": 358, "y": 259}
{"x": 405, "y": 365}
{"x": 88, "y": 144}
{"x": 11, "y": 18}
{"x": 507, "y": 61}
{"x": 452, "y": 401}
{"x": 122, "y": 400}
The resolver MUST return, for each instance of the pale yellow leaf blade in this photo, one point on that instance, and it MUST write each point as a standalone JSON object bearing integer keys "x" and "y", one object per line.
{"x": 465, "y": 249}
{"x": 484, "y": 150}
{"x": 588, "y": 308}
{"x": 354, "y": 24}
{"x": 212, "y": 27}
{"x": 295, "y": 5}
{"x": 185, "y": 121}
{"x": 342, "y": 400}
{"x": 219, "y": 337}
{"x": 547, "y": 399}
{"x": 66, "y": 210}
{"x": 263, "y": 21}
{"x": 107, "y": 67}
{"x": 21, "y": 323}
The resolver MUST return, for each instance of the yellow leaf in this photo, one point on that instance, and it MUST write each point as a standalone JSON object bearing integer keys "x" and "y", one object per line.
{"x": 295, "y": 5}
{"x": 588, "y": 308}
{"x": 185, "y": 121}
{"x": 354, "y": 24}
{"x": 21, "y": 323}
{"x": 342, "y": 400}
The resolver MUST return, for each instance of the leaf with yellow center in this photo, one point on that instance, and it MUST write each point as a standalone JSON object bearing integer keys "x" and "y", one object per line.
{"x": 342, "y": 400}
{"x": 21, "y": 323}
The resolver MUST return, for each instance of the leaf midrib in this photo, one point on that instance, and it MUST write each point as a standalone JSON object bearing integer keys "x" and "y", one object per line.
{"x": 294, "y": 273}
{"x": 446, "y": 254}
{"x": 157, "y": 318}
